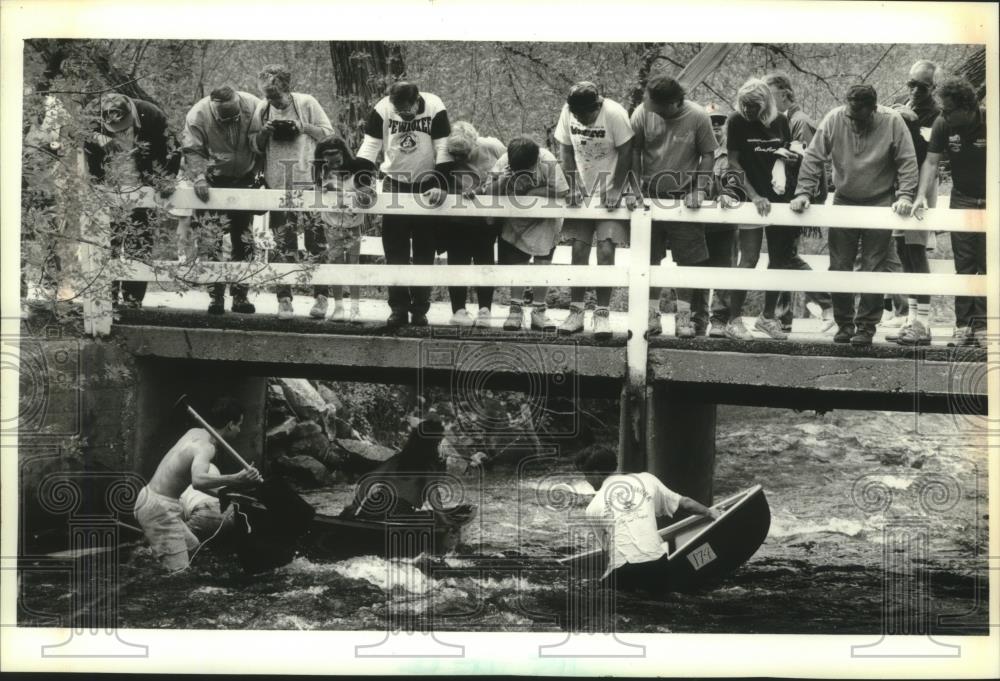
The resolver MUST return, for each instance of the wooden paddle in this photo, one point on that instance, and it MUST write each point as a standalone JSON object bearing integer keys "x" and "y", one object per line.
{"x": 182, "y": 400}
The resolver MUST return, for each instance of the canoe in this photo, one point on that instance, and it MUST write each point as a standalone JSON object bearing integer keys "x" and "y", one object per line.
{"x": 700, "y": 550}
{"x": 335, "y": 537}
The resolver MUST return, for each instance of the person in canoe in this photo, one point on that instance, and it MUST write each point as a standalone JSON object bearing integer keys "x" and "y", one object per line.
{"x": 403, "y": 484}
{"x": 158, "y": 507}
{"x": 623, "y": 513}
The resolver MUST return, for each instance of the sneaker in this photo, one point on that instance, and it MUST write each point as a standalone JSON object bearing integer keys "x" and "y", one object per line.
{"x": 318, "y": 310}
{"x": 914, "y": 334}
{"x": 540, "y": 321}
{"x": 962, "y": 336}
{"x": 216, "y": 306}
{"x": 243, "y": 306}
{"x": 717, "y": 329}
{"x": 828, "y": 322}
{"x": 772, "y": 327}
{"x": 461, "y": 318}
{"x": 483, "y": 318}
{"x": 844, "y": 334}
{"x": 397, "y": 319}
{"x": 700, "y": 327}
{"x": 285, "y": 310}
{"x": 735, "y": 330}
{"x": 131, "y": 304}
{"x": 894, "y": 322}
{"x": 602, "y": 323}
{"x": 683, "y": 328}
{"x": 654, "y": 328}
{"x": 893, "y": 336}
{"x": 355, "y": 317}
{"x": 862, "y": 337}
{"x": 338, "y": 314}
{"x": 418, "y": 319}
{"x": 515, "y": 319}
{"x": 573, "y": 323}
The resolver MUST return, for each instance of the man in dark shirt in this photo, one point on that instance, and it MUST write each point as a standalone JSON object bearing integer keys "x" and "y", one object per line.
{"x": 960, "y": 133}
{"x": 131, "y": 146}
{"x": 919, "y": 112}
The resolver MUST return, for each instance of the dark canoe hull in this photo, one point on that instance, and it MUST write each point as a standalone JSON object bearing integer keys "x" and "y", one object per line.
{"x": 701, "y": 550}
{"x": 336, "y": 538}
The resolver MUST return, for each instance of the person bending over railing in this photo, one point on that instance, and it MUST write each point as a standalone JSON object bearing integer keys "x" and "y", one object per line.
{"x": 527, "y": 170}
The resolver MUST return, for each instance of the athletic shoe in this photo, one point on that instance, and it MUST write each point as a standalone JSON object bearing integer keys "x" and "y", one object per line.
{"x": 355, "y": 317}
{"x": 418, "y": 319}
{"x": 338, "y": 314}
{"x": 461, "y": 318}
{"x": 844, "y": 334}
{"x": 243, "y": 306}
{"x": 217, "y": 306}
{"x": 318, "y": 310}
{"x": 893, "y": 336}
{"x": 573, "y": 323}
{"x": 914, "y": 334}
{"x": 483, "y": 318}
{"x": 654, "y": 328}
{"x": 863, "y": 337}
{"x": 683, "y": 328}
{"x": 540, "y": 321}
{"x": 735, "y": 330}
{"x": 772, "y": 327}
{"x": 716, "y": 328}
{"x": 515, "y": 318}
{"x": 700, "y": 327}
{"x": 828, "y": 322}
{"x": 895, "y": 322}
{"x": 397, "y": 319}
{"x": 602, "y": 323}
{"x": 285, "y": 310}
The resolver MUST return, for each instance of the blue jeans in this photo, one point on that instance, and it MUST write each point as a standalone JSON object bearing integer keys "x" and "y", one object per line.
{"x": 874, "y": 246}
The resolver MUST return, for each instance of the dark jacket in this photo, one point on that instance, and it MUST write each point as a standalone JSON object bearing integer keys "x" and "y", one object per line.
{"x": 157, "y": 150}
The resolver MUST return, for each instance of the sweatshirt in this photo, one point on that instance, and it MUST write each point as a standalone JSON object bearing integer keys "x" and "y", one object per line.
{"x": 866, "y": 165}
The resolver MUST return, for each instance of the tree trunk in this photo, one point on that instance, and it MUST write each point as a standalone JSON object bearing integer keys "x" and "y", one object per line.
{"x": 362, "y": 70}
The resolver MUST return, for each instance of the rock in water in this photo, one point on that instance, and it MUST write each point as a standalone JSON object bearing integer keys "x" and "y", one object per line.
{"x": 304, "y": 470}
{"x": 308, "y": 404}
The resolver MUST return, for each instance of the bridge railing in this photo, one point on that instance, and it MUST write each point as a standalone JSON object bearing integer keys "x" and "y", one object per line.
{"x": 638, "y": 276}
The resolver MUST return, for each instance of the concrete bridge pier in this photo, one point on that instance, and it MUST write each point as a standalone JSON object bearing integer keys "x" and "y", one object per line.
{"x": 680, "y": 441}
{"x": 159, "y": 423}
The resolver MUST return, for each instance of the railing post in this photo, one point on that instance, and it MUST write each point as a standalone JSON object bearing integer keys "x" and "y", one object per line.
{"x": 94, "y": 232}
{"x": 632, "y": 442}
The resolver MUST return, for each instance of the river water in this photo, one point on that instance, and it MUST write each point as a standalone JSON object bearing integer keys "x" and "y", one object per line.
{"x": 847, "y": 491}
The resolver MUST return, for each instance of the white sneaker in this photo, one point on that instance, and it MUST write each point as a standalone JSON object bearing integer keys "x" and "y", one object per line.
{"x": 540, "y": 321}
{"x": 654, "y": 328}
{"x": 828, "y": 321}
{"x": 338, "y": 314}
{"x": 573, "y": 323}
{"x": 461, "y": 318}
{"x": 602, "y": 323}
{"x": 318, "y": 310}
{"x": 895, "y": 322}
{"x": 483, "y": 317}
{"x": 285, "y": 310}
{"x": 355, "y": 317}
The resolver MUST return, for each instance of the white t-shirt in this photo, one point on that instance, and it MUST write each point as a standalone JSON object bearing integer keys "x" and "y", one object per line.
{"x": 595, "y": 145}
{"x": 627, "y": 505}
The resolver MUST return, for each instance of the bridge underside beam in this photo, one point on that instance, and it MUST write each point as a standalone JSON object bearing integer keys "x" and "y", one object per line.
{"x": 465, "y": 365}
{"x": 819, "y": 382}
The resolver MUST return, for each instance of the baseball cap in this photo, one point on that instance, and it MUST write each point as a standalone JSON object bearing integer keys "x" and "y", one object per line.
{"x": 584, "y": 96}
{"x": 718, "y": 118}
{"x": 116, "y": 112}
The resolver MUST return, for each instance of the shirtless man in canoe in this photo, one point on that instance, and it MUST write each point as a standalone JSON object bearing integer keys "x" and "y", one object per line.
{"x": 158, "y": 507}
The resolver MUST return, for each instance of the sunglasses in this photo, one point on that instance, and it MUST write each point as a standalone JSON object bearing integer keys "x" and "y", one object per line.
{"x": 917, "y": 85}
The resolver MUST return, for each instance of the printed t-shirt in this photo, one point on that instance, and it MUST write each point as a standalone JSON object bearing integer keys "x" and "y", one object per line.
{"x": 624, "y": 512}
{"x": 595, "y": 146}
{"x": 409, "y": 146}
{"x": 757, "y": 145}
{"x": 966, "y": 150}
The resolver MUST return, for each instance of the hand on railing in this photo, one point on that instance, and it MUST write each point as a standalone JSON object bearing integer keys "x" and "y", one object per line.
{"x": 574, "y": 199}
{"x": 201, "y": 188}
{"x": 799, "y": 203}
{"x": 435, "y": 196}
{"x": 903, "y": 207}
{"x": 919, "y": 207}
{"x": 763, "y": 205}
{"x": 694, "y": 199}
